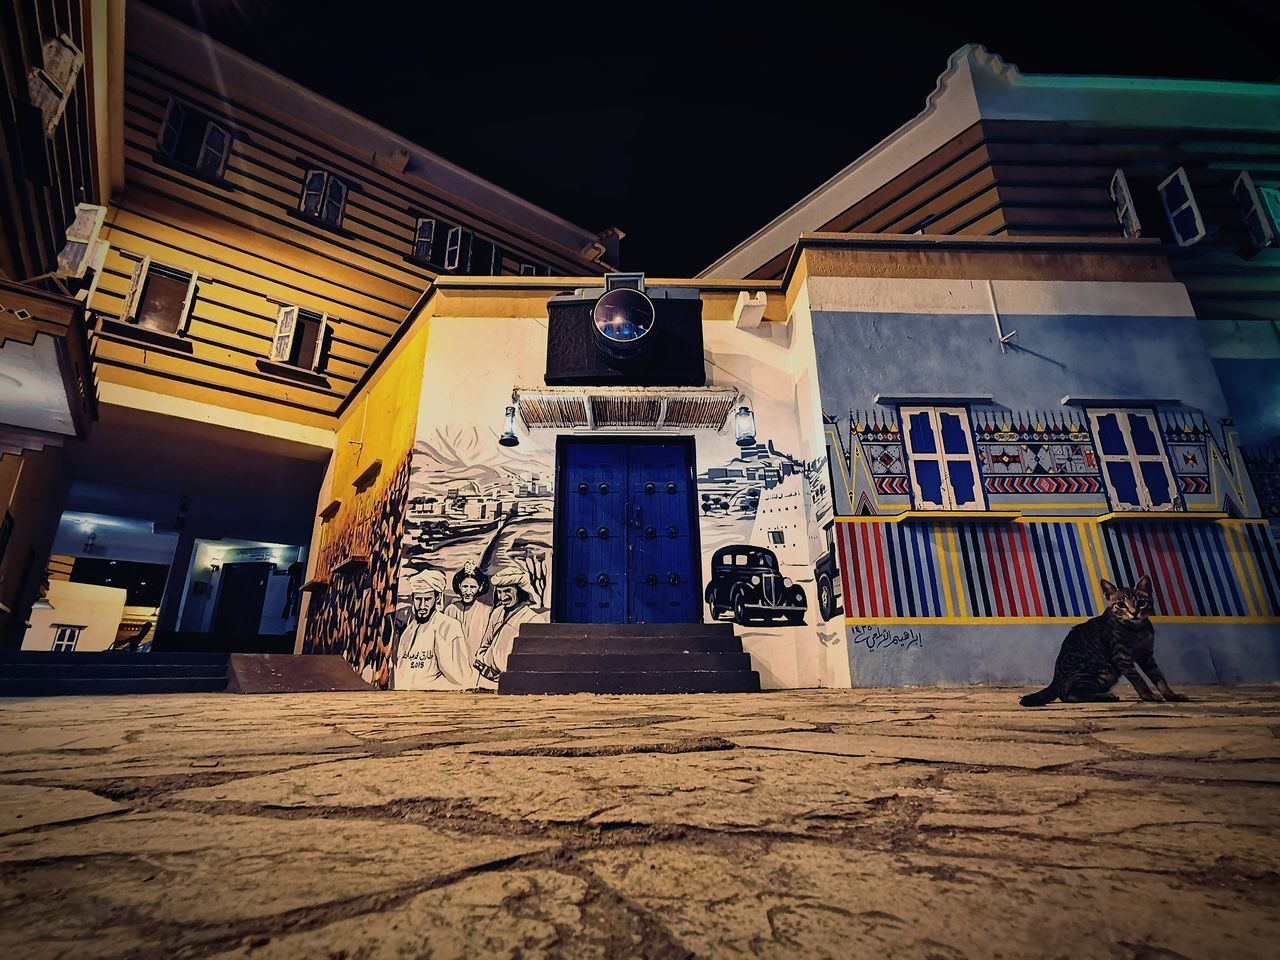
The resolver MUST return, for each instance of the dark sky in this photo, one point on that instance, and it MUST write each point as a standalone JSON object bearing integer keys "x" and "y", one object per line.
{"x": 690, "y": 126}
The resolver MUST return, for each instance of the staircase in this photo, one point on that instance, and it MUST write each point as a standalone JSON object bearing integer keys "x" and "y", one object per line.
{"x": 628, "y": 658}
{"x": 33, "y": 673}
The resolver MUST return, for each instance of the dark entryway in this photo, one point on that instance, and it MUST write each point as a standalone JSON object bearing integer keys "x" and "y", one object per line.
{"x": 626, "y": 534}
{"x": 244, "y": 588}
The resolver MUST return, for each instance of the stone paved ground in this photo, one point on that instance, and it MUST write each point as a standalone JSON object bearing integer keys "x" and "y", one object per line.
{"x": 926, "y": 823}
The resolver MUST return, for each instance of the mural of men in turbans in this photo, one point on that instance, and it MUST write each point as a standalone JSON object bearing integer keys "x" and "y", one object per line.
{"x": 433, "y": 651}
{"x": 513, "y": 596}
{"x": 470, "y": 584}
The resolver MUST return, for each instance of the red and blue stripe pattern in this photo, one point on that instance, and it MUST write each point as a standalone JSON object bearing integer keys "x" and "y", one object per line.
{"x": 960, "y": 571}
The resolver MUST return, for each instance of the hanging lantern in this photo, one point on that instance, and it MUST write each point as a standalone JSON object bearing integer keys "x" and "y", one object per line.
{"x": 744, "y": 425}
{"x": 509, "y": 438}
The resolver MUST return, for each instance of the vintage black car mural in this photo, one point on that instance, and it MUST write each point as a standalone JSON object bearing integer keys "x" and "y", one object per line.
{"x": 826, "y": 576}
{"x": 745, "y": 582}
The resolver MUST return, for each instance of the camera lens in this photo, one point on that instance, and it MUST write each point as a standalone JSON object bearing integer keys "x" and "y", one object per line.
{"x": 624, "y": 322}
{"x": 623, "y": 315}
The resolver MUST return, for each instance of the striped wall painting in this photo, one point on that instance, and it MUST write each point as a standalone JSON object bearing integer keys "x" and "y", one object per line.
{"x": 976, "y": 572}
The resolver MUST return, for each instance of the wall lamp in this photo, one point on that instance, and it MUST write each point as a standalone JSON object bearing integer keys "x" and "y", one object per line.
{"x": 744, "y": 426}
{"x": 509, "y": 438}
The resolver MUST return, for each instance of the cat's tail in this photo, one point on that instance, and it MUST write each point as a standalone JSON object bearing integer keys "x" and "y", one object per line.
{"x": 1040, "y": 697}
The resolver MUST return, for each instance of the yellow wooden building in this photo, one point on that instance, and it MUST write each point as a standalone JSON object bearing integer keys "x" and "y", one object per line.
{"x": 241, "y": 249}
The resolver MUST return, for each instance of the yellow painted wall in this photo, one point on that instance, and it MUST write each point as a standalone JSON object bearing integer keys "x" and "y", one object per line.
{"x": 350, "y": 615}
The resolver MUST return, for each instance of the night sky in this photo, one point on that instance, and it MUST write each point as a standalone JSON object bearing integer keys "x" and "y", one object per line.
{"x": 690, "y": 126}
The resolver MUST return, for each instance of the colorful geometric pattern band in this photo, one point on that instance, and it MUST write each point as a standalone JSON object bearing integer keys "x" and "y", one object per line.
{"x": 1046, "y": 484}
{"x": 899, "y": 485}
{"x": 960, "y": 571}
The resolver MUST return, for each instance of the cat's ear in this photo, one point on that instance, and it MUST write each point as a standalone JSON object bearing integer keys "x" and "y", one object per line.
{"x": 1109, "y": 590}
{"x": 1144, "y": 585}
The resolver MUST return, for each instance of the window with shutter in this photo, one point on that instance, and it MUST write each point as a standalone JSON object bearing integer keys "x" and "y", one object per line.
{"x": 458, "y": 250}
{"x": 302, "y": 338}
{"x": 160, "y": 298}
{"x": 1134, "y": 464}
{"x": 193, "y": 141}
{"x": 171, "y": 131}
{"x": 940, "y": 457}
{"x": 214, "y": 150}
{"x": 1181, "y": 208}
{"x": 324, "y": 197}
{"x": 134, "y": 297}
{"x": 424, "y": 233}
{"x": 312, "y": 193}
{"x": 282, "y": 342}
{"x": 335, "y": 201}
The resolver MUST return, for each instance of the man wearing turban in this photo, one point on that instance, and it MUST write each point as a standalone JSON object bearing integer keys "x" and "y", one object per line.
{"x": 513, "y": 598}
{"x": 433, "y": 651}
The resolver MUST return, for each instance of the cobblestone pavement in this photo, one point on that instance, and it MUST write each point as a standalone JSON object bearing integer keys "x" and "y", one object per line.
{"x": 921, "y": 823}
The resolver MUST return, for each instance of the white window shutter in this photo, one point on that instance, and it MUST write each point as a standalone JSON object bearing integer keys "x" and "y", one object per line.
{"x": 174, "y": 117}
{"x": 322, "y": 336}
{"x": 134, "y": 298}
{"x": 89, "y": 218}
{"x": 453, "y": 249}
{"x": 282, "y": 343}
{"x": 335, "y": 201}
{"x": 423, "y": 235}
{"x": 213, "y": 150}
{"x": 312, "y": 192}
{"x": 188, "y": 306}
{"x": 73, "y": 258}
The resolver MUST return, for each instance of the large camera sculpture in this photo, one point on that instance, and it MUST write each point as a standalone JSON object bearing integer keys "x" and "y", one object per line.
{"x": 626, "y": 335}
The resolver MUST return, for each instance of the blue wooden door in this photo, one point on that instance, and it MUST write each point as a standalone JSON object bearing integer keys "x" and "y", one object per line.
{"x": 626, "y": 541}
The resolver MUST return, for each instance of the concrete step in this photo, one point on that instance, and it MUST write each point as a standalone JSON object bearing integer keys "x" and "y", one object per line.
{"x": 594, "y": 661}
{"x": 102, "y": 686}
{"x": 666, "y": 681}
{"x": 592, "y": 631}
{"x": 626, "y": 644}
{"x": 39, "y": 671}
{"x": 109, "y": 656}
{"x": 287, "y": 673}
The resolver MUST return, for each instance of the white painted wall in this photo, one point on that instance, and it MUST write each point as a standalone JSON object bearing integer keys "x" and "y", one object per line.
{"x": 474, "y": 363}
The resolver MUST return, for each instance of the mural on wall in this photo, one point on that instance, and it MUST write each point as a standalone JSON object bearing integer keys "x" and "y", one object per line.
{"x": 1029, "y": 453}
{"x": 350, "y": 616}
{"x": 765, "y": 516}
{"x": 476, "y": 552}
{"x": 1036, "y": 453}
{"x": 1050, "y": 569}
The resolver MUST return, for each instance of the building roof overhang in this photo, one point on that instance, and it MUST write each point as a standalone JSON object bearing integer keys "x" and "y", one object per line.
{"x": 977, "y": 86}
{"x": 46, "y": 379}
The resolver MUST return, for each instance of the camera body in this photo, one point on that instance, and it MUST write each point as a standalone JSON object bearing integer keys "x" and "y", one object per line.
{"x": 625, "y": 334}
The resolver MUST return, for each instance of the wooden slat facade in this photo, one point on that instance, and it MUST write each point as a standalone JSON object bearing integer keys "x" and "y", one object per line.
{"x": 252, "y": 251}
{"x": 1015, "y": 178}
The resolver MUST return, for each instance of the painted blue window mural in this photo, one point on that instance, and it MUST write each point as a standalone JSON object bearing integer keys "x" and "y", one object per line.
{"x": 943, "y": 470}
{"x": 1134, "y": 463}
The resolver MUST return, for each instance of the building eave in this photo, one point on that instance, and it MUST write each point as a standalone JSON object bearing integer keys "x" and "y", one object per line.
{"x": 240, "y": 76}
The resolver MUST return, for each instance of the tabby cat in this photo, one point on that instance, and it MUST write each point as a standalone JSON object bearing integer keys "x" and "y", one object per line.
{"x": 1096, "y": 652}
